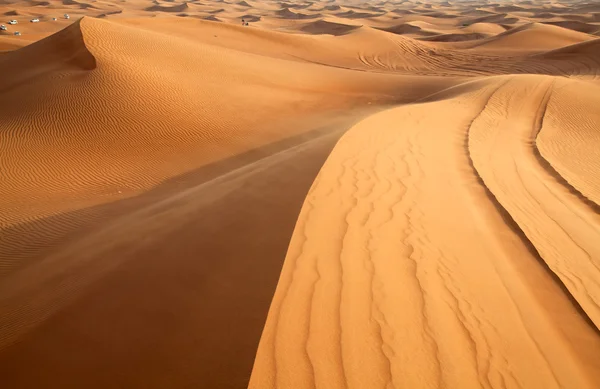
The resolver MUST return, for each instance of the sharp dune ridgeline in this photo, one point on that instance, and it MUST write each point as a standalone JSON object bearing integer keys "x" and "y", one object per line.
{"x": 307, "y": 194}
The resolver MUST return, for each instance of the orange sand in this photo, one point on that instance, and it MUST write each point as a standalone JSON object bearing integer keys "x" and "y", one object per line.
{"x": 338, "y": 195}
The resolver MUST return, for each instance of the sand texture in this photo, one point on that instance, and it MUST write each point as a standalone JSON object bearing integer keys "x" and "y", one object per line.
{"x": 339, "y": 194}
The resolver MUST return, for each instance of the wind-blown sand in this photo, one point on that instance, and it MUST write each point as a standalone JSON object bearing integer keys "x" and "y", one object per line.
{"x": 338, "y": 195}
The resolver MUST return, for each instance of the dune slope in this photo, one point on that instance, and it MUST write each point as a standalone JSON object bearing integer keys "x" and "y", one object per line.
{"x": 299, "y": 194}
{"x": 387, "y": 285}
{"x": 127, "y": 158}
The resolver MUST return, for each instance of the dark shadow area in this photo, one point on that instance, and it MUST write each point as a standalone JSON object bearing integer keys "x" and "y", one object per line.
{"x": 187, "y": 308}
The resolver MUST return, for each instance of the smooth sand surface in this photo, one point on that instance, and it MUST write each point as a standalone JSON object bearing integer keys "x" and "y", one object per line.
{"x": 336, "y": 195}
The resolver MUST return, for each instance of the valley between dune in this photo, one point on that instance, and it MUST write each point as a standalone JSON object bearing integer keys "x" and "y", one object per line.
{"x": 326, "y": 195}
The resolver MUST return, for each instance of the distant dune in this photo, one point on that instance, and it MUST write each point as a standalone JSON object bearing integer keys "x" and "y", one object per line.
{"x": 354, "y": 15}
{"x": 175, "y": 8}
{"x": 251, "y": 18}
{"x": 576, "y": 26}
{"x": 402, "y": 29}
{"x": 453, "y": 37}
{"x": 286, "y": 13}
{"x": 212, "y": 18}
{"x": 103, "y": 15}
{"x": 535, "y": 37}
{"x": 586, "y": 48}
{"x": 78, "y": 4}
{"x": 325, "y": 27}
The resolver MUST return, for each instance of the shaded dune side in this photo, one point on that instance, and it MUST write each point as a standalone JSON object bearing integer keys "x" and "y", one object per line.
{"x": 454, "y": 37}
{"x": 251, "y": 18}
{"x": 64, "y": 50}
{"x": 212, "y": 18}
{"x": 210, "y": 263}
{"x": 325, "y": 27}
{"x": 405, "y": 28}
{"x": 378, "y": 271}
{"x": 286, "y": 13}
{"x": 106, "y": 14}
{"x": 175, "y": 8}
{"x": 78, "y": 4}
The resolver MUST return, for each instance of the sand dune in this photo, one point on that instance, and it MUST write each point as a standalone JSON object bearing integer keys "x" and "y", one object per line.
{"x": 578, "y": 51}
{"x": 404, "y": 28}
{"x": 494, "y": 18}
{"x": 534, "y": 36}
{"x": 378, "y": 271}
{"x": 454, "y": 37}
{"x": 78, "y": 4}
{"x": 286, "y": 13}
{"x": 103, "y": 15}
{"x": 325, "y": 27}
{"x": 354, "y": 15}
{"x": 175, "y": 8}
{"x": 577, "y": 26}
{"x": 383, "y": 194}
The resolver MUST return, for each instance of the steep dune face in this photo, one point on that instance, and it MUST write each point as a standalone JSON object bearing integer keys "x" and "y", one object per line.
{"x": 65, "y": 50}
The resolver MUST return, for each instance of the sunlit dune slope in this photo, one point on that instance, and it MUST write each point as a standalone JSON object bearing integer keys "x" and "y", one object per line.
{"x": 133, "y": 105}
{"x": 560, "y": 223}
{"x": 414, "y": 262}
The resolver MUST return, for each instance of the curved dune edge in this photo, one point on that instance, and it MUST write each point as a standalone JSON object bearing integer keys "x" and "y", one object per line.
{"x": 561, "y": 224}
{"x": 385, "y": 284}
